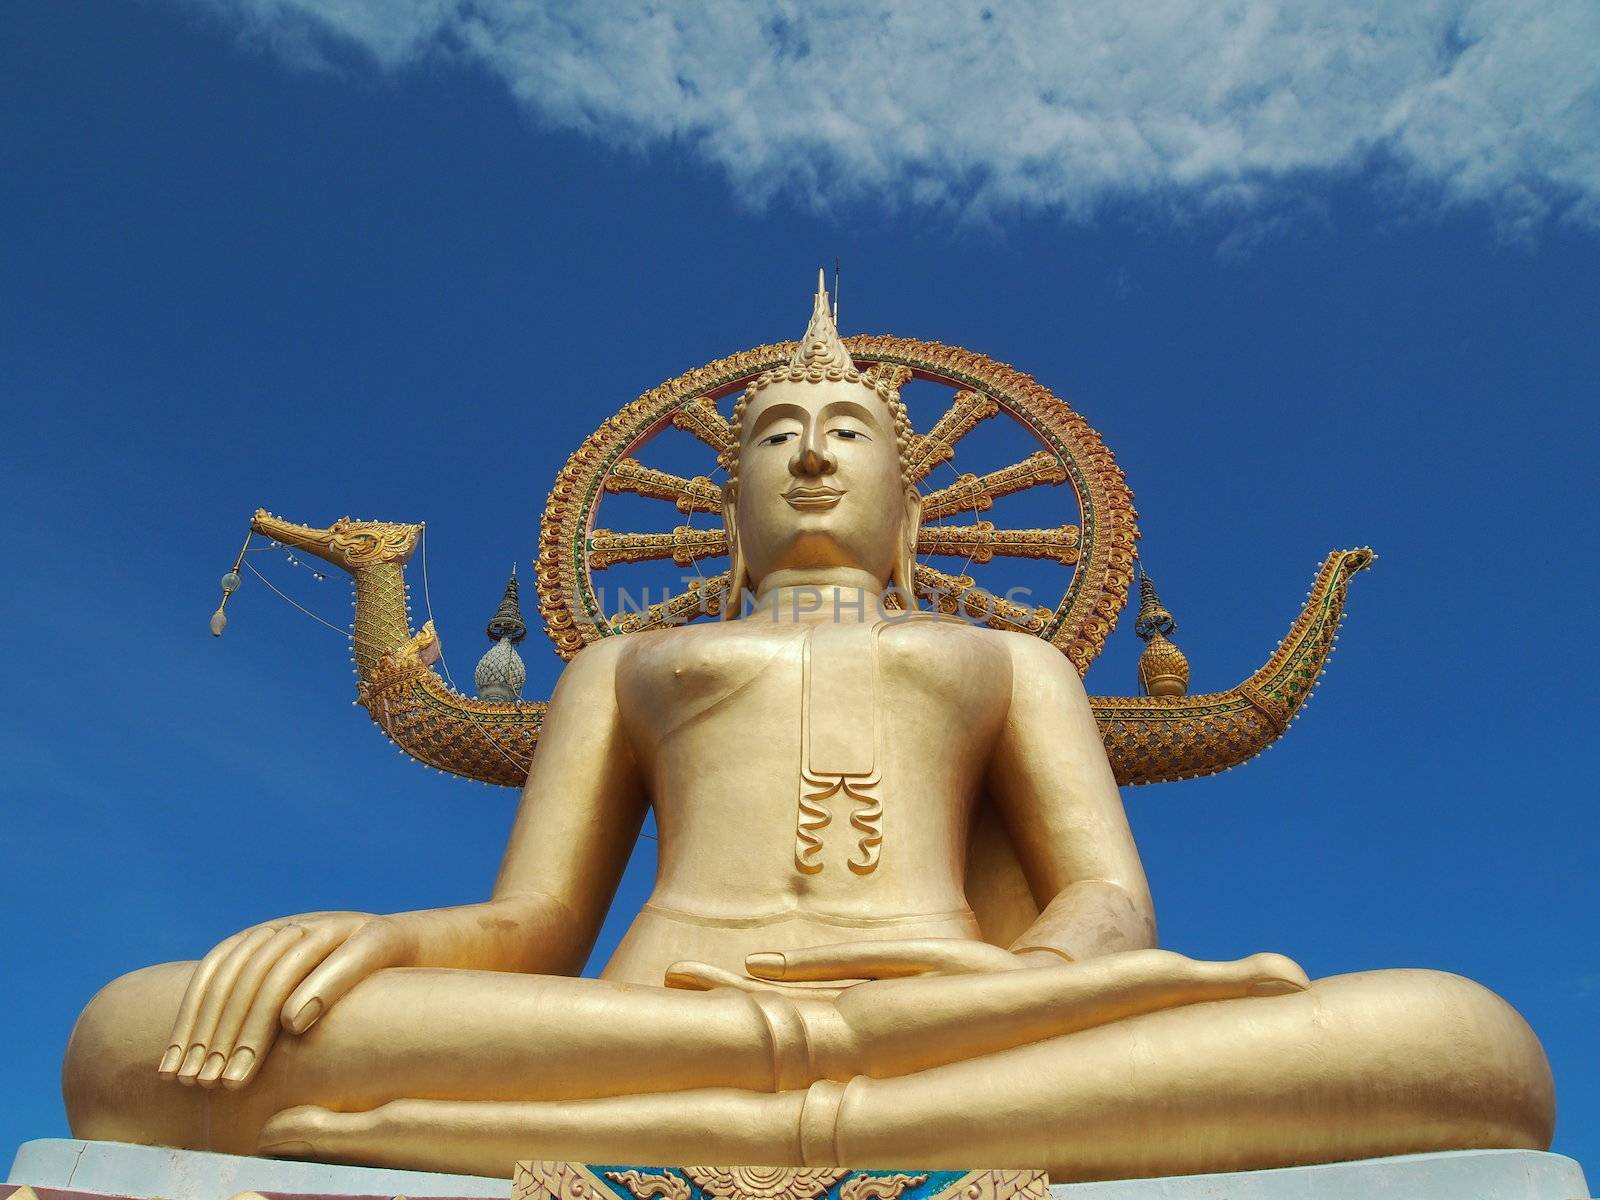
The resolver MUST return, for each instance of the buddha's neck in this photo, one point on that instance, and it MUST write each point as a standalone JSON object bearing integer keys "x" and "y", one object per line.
{"x": 842, "y": 595}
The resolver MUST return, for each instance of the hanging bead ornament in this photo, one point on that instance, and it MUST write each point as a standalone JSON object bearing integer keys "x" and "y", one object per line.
{"x": 230, "y": 584}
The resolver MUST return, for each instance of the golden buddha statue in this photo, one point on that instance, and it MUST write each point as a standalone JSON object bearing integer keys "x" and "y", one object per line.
{"x": 810, "y": 982}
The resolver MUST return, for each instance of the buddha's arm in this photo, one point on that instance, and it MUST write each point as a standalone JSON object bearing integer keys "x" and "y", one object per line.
{"x": 1051, "y": 780}
{"x": 581, "y": 811}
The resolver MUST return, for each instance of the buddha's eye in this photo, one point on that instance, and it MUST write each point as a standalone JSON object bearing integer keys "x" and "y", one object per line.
{"x": 775, "y": 439}
{"x": 852, "y": 434}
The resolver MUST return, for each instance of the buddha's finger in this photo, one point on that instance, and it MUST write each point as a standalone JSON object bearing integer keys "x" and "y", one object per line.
{"x": 1273, "y": 975}
{"x": 901, "y": 1026}
{"x": 261, "y": 1024}
{"x": 189, "y": 1006}
{"x": 372, "y": 947}
{"x": 881, "y": 960}
{"x": 243, "y": 996}
{"x": 703, "y": 977}
{"x": 216, "y": 999}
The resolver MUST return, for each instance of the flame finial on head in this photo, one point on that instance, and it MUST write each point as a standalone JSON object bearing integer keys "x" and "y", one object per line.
{"x": 820, "y": 357}
{"x": 821, "y": 347}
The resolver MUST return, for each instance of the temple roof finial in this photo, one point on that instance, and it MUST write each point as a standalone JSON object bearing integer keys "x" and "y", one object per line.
{"x": 507, "y": 620}
{"x": 821, "y": 347}
{"x": 1163, "y": 669}
{"x": 501, "y": 674}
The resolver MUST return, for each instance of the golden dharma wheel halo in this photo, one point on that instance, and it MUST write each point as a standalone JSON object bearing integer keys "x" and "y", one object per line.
{"x": 1099, "y": 549}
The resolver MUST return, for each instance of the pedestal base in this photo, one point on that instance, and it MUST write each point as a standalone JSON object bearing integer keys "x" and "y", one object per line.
{"x": 118, "y": 1169}
{"x": 122, "y": 1169}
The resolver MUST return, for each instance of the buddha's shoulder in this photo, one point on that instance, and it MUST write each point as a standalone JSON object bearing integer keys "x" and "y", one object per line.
{"x": 947, "y": 638}
{"x": 1005, "y": 649}
{"x": 694, "y": 640}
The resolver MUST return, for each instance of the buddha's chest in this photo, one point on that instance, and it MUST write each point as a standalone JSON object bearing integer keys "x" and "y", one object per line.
{"x": 833, "y": 700}
{"x": 819, "y": 754}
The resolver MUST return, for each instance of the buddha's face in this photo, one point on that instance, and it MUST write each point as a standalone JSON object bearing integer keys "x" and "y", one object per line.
{"x": 819, "y": 481}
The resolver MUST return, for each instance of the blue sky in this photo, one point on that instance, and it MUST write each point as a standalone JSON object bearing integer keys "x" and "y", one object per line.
{"x": 1319, "y": 286}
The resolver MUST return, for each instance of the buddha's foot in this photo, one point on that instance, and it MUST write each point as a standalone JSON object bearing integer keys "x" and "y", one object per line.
{"x": 488, "y": 1137}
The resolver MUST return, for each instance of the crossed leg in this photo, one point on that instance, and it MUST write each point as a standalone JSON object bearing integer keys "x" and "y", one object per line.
{"x": 1135, "y": 1063}
{"x": 481, "y": 1036}
{"x": 1358, "y": 1066}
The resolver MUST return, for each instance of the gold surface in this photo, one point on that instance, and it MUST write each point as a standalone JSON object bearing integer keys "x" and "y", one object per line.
{"x": 898, "y": 920}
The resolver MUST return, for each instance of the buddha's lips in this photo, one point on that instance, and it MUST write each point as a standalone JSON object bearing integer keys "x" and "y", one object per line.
{"x": 812, "y": 499}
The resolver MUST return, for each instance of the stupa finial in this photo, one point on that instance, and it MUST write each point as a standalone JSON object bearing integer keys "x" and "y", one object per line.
{"x": 821, "y": 347}
{"x": 1163, "y": 669}
{"x": 507, "y": 621}
{"x": 501, "y": 674}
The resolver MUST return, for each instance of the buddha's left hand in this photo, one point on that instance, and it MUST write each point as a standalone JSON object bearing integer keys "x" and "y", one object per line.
{"x": 846, "y": 963}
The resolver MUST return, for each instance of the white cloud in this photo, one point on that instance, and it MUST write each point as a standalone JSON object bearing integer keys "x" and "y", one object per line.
{"x": 1064, "y": 107}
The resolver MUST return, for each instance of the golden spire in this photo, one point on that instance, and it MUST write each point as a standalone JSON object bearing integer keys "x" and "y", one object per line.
{"x": 1163, "y": 670}
{"x": 821, "y": 347}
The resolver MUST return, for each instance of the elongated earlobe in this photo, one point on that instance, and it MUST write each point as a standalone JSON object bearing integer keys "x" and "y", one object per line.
{"x": 904, "y": 572}
{"x": 738, "y": 577}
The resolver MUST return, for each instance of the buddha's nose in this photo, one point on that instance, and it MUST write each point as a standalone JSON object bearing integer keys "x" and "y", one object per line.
{"x": 812, "y": 457}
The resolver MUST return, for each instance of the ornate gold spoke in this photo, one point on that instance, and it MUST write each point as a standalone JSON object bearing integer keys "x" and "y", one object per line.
{"x": 938, "y": 445}
{"x": 977, "y": 493}
{"x": 981, "y": 541}
{"x": 704, "y": 599}
{"x": 690, "y": 495}
{"x": 683, "y": 545}
{"x": 893, "y": 373}
{"x": 959, "y": 594}
{"x": 701, "y": 418}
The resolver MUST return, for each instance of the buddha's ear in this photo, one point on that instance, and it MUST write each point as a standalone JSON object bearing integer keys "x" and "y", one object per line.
{"x": 738, "y": 577}
{"x": 904, "y": 574}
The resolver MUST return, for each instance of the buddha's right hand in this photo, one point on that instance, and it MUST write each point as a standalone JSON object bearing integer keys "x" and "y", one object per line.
{"x": 279, "y": 973}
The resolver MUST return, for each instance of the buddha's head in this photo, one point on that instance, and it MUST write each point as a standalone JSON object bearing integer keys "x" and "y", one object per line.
{"x": 819, "y": 470}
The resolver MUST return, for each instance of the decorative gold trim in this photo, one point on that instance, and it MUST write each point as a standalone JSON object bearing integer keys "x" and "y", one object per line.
{"x": 879, "y": 1187}
{"x": 953, "y": 594}
{"x": 705, "y": 598}
{"x": 938, "y": 445}
{"x": 688, "y": 495}
{"x": 647, "y": 1185}
{"x": 699, "y": 416}
{"x": 765, "y": 1183}
{"x": 1002, "y": 1185}
{"x": 556, "y": 1181}
{"x": 577, "y": 1181}
{"x": 981, "y": 541}
{"x": 977, "y": 493}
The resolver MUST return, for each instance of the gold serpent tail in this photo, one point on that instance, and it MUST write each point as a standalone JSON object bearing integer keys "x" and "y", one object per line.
{"x": 1153, "y": 739}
